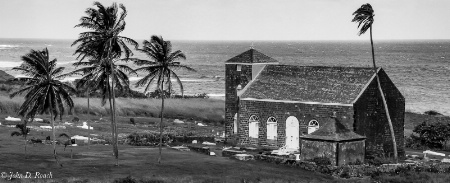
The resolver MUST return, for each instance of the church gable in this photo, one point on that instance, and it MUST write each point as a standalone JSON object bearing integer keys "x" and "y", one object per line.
{"x": 249, "y": 57}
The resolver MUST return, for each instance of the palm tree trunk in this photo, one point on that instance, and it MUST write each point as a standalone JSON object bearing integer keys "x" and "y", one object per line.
{"x": 25, "y": 138}
{"x": 89, "y": 111}
{"x": 112, "y": 117}
{"x": 116, "y": 143}
{"x": 161, "y": 123}
{"x": 391, "y": 128}
{"x": 53, "y": 131}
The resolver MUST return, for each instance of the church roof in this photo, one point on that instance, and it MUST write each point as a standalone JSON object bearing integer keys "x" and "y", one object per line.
{"x": 333, "y": 130}
{"x": 315, "y": 84}
{"x": 251, "y": 56}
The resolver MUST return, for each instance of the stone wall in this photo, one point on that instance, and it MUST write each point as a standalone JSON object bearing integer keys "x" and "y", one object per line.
{"x": 314, "y": 148}
{"x": 348, "y": 171}
{"x": 371, "y": 120}
{"x": 281, "y": 111}
{"x": 232, "y": 79}
{"x": 351, "y": 152}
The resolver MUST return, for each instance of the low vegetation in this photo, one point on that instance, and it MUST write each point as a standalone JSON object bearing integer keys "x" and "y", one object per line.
{"x": 429, "y": 136}
{"x": 206, "y": 110}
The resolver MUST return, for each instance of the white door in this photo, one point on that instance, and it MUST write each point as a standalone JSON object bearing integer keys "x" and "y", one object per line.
{"x": 292, "y": 133}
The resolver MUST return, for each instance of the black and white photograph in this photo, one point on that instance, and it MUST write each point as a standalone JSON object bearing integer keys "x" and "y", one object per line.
{"x": 232, "y": 91}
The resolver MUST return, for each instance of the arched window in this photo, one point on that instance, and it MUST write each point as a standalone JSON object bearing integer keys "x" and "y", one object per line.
{"x": 253, "y": 126}
{"x": 313, "y": 125}
{"x": 235, "y": 124}
{"x": 272, "y": 128}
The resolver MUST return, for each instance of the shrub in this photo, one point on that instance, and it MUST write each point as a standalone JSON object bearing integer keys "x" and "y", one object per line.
{"x": 46, "y": 121}
{"x": 430, "y": 135}
{"x": 151, "y": 139}
{"x": 75, "y": 119}
{"x": 128, "y": 179}
{"x": 377, "y": 161}
{"x": 345, "y": 173}
{"x": 432, "y": 113}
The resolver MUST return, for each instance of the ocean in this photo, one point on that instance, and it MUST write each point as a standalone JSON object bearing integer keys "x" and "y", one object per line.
{"x": 419, "y": 68}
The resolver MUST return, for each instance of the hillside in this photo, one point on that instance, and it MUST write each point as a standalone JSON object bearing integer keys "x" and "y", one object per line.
{"x": 5, "y": 76}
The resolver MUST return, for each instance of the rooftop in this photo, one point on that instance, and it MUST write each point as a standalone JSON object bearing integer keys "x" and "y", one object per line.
{"x": 333, "y": 130}
{"x": 341, "y": 85}
{"x": 251, "y": 56}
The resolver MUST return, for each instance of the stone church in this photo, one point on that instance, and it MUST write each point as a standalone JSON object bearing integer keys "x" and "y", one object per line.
{"x": 272, "y": 105}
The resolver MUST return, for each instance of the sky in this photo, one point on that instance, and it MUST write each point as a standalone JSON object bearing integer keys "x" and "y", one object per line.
{"x": 233, "y": 19}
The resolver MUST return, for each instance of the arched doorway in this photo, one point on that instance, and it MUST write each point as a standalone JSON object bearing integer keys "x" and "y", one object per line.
{"x": 292, "y": 133}
{"x": 313, "y": 125}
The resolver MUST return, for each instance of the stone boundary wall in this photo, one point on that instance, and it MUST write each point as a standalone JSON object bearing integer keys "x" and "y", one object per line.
{"x": 348, "y": 171}
{"x": 230, "y": 153}
{"x": 203, "y": 150}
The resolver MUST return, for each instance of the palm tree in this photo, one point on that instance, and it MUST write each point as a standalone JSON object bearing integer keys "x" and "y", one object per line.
{"x": 44, "y": 92}
{"x": 24, "y": 130}
{"x": 160, "y": 71}
{"x": 104, "y": 44}
{"x": 96, "y": 76}
{"x": 364, "y": 17}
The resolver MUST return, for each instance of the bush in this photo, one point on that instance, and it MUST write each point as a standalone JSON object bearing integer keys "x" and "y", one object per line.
{"x": 46, "y": 121}
{"x": 151, "y": 139}
{"x": 432, "y": 113}
{"x": 75, "y": 119}
{"x": 128, "y": 179}
{"x": 377, "y": 161}
{"x": 430, "y": 135}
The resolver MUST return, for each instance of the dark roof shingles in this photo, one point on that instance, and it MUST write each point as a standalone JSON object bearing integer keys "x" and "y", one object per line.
{"x": 309, "y": 83}
{"x": 333, "y": 130}
{"x": 251, "y": 56}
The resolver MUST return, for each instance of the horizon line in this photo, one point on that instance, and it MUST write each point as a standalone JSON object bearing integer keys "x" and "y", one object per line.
{"x": 258, "y": 40}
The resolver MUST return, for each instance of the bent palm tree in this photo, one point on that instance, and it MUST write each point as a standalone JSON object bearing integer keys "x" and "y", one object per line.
{"x": 159, "y": 70}
{"x": 104, "y": 44}
{"x": 364, "y": 17}
{"x": 44, "y": 92}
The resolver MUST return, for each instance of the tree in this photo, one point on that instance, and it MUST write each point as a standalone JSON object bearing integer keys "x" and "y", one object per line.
{"x": 44, "y": 91}
{"x": 24, "y": 130}
{"x": 104, "y": 44}
{"x": 364, "y": 17}
{"x": 159, "y": 70}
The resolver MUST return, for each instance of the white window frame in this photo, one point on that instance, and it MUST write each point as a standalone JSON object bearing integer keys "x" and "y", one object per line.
{"x": 272, "y": 128}
{"x": 253, "y": 126}
{"x": 312, "y": 125}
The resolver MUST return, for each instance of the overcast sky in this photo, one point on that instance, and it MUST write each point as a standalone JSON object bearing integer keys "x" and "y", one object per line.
{"x": 233, "y": 19}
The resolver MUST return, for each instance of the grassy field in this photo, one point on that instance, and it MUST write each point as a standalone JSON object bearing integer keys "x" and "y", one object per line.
{"x": 207, "y": 110}
{"x": 96, "y": 164}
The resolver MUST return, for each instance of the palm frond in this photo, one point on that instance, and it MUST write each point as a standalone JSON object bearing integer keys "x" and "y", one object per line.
{"x": 364, "y": 16}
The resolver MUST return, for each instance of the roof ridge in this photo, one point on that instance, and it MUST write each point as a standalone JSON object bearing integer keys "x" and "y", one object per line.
{"x": 325, "y": 66}
{"x": 250, "y": 56}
